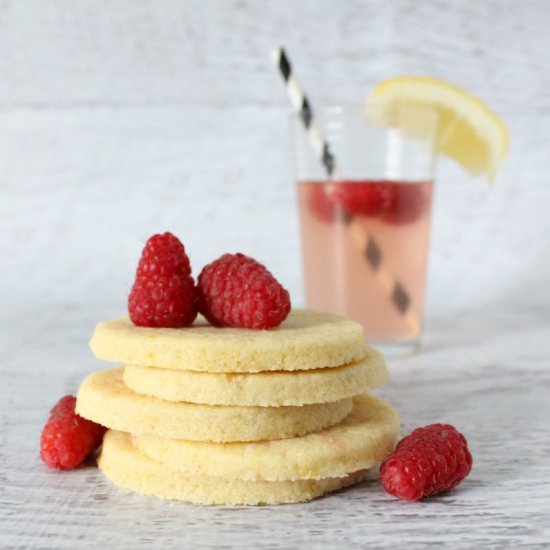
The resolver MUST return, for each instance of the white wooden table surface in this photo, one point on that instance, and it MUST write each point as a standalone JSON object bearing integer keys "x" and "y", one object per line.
{"x": 487, "y": 376}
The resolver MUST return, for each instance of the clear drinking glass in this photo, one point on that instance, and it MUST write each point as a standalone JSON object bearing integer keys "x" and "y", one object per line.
{"x": 365, "y": 230}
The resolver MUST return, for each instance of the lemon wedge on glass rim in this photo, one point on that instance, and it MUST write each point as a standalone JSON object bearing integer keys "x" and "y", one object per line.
{"x": 468, "y": 130}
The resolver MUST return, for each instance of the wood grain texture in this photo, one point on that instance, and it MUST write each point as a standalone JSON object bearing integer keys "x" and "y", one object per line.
{"x": 119, "y": 119}
{"x": 495, "y": 391}
{"x": 62, "y": 53}
{"x": 73, "y": 183}
{"x": 139, "y": 116}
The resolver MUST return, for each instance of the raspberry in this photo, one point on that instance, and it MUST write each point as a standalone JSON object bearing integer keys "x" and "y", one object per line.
{"x": 428, "y": 461}
{"x": 163, "y": 302}
{"x": 320, "y": 203}
{"x": 67, "y": 438}
{"x": 395, "y": 203}
{"x": 407, "y": 204}
{"x": 64, "y": 406}
{"x": 163, "y": 294}
{"x": 163, "y": 255}
{"x": 237, "y": 291}
{"x": 363, "y": 198}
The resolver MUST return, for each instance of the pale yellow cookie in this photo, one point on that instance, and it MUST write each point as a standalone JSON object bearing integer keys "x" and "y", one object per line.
{"x": 305, "y": 340}
{"x": 127, "y": 467}
{"x": 104, "y": 398}
{"x": 264, "y": 389}
{"x": 360, "y": 441}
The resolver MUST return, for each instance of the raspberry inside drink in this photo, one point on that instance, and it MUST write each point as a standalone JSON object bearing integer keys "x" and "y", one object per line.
{"x": 337, "y": 218}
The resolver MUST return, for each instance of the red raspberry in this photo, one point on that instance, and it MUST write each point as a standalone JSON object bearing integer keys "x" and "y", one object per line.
{"x": 163, "y": 294}
{"x": 163, "y": 255}
{"x": 406, "y": 205}
{"x": 64, "y": 406}
{"x": 320, "y": 203}
{"x": 395, "y": 203}
{"x": 67, "y": 438}
{"x": 237, "y": 291}
{"x": 362, "y": 198}
{"x": 428, "y": 461}
{"x": 163, "y": 302}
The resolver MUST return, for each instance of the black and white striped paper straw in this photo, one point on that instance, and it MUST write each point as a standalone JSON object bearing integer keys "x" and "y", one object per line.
{"x": 371, "y": 250}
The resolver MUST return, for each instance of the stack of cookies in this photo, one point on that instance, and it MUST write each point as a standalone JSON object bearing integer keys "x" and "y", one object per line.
{"x": 238, "y": 416}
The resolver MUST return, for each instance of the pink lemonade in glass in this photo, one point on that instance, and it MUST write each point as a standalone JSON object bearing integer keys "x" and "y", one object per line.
{"x": 338, "y": 219}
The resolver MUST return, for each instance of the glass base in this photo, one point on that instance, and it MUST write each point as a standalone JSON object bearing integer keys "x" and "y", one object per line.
{"x": 400, "y": 348}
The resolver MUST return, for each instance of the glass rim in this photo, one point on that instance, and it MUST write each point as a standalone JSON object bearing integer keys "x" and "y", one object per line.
{"x": 359, "y": 106}
{"x": 426, "y": 118}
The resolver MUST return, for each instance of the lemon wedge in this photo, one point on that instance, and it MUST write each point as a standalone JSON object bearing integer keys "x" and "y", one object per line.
{"x": 468, "y": 130}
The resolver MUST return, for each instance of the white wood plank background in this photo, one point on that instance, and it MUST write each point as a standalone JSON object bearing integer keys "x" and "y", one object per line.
{"x": 119, "y": 119}
{"x": 122, "y": 111}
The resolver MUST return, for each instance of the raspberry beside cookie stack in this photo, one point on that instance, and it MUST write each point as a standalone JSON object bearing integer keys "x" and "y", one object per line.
{"x": 237, "y": 416}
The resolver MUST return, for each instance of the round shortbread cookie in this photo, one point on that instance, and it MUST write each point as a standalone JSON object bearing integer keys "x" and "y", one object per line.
{"x": 125, "y": 466}
{"x": 364, "y": 438}
{"x": 263, "y": 389}
{"x": 104, "y": 398}
{"x": 305, "y": 340}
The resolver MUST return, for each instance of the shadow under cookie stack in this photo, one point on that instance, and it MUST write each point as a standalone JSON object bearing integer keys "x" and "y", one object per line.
{"x": 237, "y": 416}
